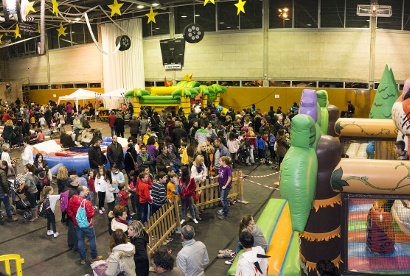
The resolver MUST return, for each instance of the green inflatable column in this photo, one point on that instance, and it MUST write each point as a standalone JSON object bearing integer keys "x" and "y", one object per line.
{"x": 322, "y": 100}
{"x": 298, "y": 172}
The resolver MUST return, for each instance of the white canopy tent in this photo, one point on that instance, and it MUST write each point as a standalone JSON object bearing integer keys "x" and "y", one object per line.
{"x": 113, "y": 99}
{"x": 80, "y": 94}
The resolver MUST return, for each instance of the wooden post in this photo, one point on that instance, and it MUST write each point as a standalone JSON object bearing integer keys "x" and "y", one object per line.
{"x": 178, "y": 217}
{"x": 240, "y": 187}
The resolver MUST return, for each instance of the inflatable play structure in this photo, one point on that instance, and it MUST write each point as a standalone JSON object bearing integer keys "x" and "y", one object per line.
{"x": 337, "y": 207}
{"x": 298, "y": 235}
{"x": 76, "y": 159}
{"x": 283, "y": 244}
{"x": 179, "y": 96}
{"x": 375, "y": 191}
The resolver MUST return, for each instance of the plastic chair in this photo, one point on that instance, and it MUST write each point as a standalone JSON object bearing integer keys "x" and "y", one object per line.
{"x": 12, "y": 257}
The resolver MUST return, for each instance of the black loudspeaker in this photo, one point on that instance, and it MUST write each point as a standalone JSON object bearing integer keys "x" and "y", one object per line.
{"x": 193, "y": 33}
{"x": 124, "y": 41}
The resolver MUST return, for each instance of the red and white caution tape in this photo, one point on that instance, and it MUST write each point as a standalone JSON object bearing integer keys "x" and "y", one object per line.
{"x": 259, "y": 176}
{"x": 266, "y": 186}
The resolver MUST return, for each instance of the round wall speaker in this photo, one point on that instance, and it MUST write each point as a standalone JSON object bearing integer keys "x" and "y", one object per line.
{"x": 124, "y": 41}
{"x": 193, "y": 33}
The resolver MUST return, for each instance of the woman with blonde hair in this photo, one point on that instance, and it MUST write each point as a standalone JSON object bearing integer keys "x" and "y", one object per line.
{"x": 62, "y": 178}
{"x": 140, "y": 239}
{"x": 202, "y": 149}
{"x": 199, "y": 171}
{"x": 5, "y": 156}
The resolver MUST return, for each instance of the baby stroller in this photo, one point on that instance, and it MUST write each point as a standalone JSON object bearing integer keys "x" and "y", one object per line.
{"x": 19, "y": 203}
{"x": 243, "y": 153}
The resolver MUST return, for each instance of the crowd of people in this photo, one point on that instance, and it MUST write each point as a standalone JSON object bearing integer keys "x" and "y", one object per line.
{"x": 167, "y": 157}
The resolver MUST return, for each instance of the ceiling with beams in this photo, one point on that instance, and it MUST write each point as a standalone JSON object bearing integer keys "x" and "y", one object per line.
{"x": 72, "y": 11}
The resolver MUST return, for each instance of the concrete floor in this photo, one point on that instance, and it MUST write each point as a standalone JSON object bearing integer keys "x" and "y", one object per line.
{"x": 50, "y": 256}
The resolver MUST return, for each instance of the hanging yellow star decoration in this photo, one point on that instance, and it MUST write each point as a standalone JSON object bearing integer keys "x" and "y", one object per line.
{"x": 207, "y": 1}
{"x": 240, "y": 5}
{"x": 30, "y": 8}
{"x": 61, "y": 30}
{"x": 115, "y": 8}
{"x": 1, "y": 36}
{"x": 17, "y": 32}
{"x": 55, "y": 7}
{"x": 151, "y": 16}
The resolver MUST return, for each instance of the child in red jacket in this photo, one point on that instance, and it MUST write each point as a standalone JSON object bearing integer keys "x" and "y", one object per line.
{"x": 145, "y": 197}
{"x": 123, "y": 197}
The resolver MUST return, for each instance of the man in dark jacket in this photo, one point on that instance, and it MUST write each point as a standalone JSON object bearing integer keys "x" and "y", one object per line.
{"x": 115, "y": 153}
{"x": 119, "y": 126}
{"x": 164, "y": 160}
{"x": 220, "y": 150}
{"x": 25, "y": 127}
{"x": 95, "y": 155}
{"x": 4, "y": 193}
{"x": 177, "y": 133}
{"x": 144, "y": 158}
{"x": 134, "y": 126}
{"x": 73, "y": 204}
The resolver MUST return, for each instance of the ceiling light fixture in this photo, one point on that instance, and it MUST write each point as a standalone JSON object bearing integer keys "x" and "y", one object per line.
{"x": 155, "y": 4}
{"x": 184, "y": 16}
{"x": 140, "y": 6}
{"x": 374, "y": 10}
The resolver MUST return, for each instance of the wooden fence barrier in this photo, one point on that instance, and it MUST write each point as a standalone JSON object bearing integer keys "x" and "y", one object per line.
{"x": 166, "y": 220}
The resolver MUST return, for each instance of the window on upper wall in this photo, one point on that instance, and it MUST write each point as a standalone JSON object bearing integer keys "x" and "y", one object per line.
{"x": 393, "y": 22}
{"x": 306, "y": 13}
{"x": 52, "y": 39}
{"x": 80, "y": 85}
{"x": 280, "y": 14}
{"x": 332, "y": 14}
{"x": 64, "y": 41}
{"x": 77, "y": 33}
{"x": 279, "y": 83}
{"x": 331, "y": 84}
{"x": 88, "y": 38}
{"x": 184, "y": 16}
{"x": 95, "y": 85}
{"x": 357, "y": 85}
{"x": 227, "y": 18}
{"x": 252, "y": 19}
{"x": 303, "y": 83}
{"x": 149, "y": 84}
{"x": 205, "y": 16}
{"x": 159, "y": 28}
{"x": 352, "y": 19}
{"x": 406, "y": 16}
{"x": 28, "y": 47}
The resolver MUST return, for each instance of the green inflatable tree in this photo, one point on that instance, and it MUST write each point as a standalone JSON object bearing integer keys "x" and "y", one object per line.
{"x": 386, "y": 95}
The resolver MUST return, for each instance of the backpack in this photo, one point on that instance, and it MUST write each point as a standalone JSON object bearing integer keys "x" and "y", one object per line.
{"x": 64, "y": 201}
{"x": 272, "y": 141}
{"x": 81, "y": 216}
{"x": 42, "y": 207}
